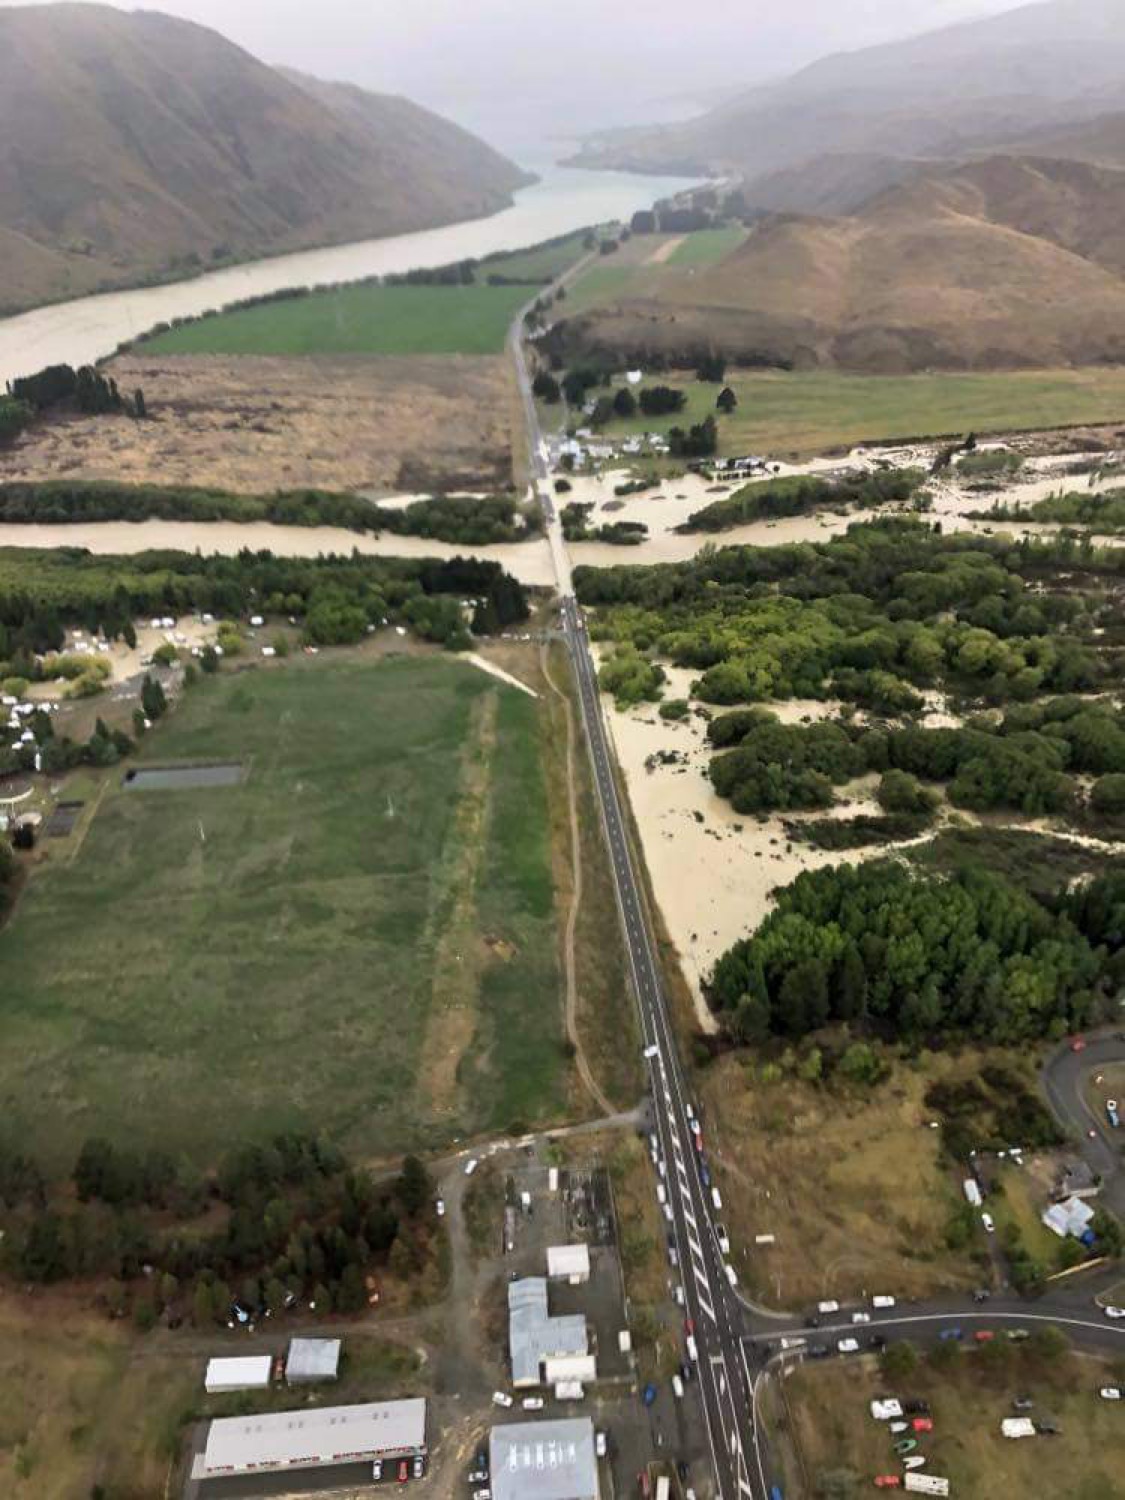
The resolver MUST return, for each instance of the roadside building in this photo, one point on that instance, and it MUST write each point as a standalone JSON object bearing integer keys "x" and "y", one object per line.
{"x": 247, "y": 1373}
{"x": 326, "y": 1438}
{"x": 544, "y": 1461}
{"x": 309, "y": 1360}
{"x": 568, "y": 1263}
{"x": 534, "y": 1336}
{"x": 1071, "y": 1217}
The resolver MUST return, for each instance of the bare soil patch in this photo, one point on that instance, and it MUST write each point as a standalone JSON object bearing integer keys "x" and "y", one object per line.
{"x": 258, "y": 423}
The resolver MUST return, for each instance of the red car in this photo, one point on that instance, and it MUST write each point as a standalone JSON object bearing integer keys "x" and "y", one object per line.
{"x": 887, "y": 1482}
{"x": 403, "y": 1472}
{"x": 1078, "y": 1044}
{"x": 984, "y": 1335}
{"x": 689, "y": 1327}
{"x": 923, "y": 1424}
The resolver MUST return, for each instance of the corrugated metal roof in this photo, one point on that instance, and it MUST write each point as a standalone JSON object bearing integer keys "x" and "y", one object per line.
{"x": 241, "y": 1373}
{"x": 544, "y": 1461}
{"x": 312, "y": 1359}
{"x": 533, "y": 1334}
{"x": 568, "y": 1260}
{"x": 312, "y": 1438}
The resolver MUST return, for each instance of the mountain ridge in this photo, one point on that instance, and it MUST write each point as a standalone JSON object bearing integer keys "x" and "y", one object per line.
{"x": 136, "y": 146}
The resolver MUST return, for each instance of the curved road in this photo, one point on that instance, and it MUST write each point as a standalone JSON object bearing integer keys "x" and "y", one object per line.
{"x": 737, "y": 1344}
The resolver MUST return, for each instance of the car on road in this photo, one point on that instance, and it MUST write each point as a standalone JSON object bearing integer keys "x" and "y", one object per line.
{"x": 723, "y": 1239}
{"x": 377, "y": 1470}
{"x": 828, "y": 1307}
{"x": 981, "y": 1294}
{"x": 1017, "y": 1335}
{"x": 861, "y": 1317}
{"x": 1114, "y": 1312}
{"x": 1111, "y": 1113}
{"x": 439, "y": 1208}
{"x": 677, "y": 1388}
{"x": 678, "y": 1295}
{"x": 692, "y": 1349}
{"x": 848, "y": 1346}
{"x": 648, "y": 1395}
{"x": 984, "y": 1335}
{"x": 950, "y": 1333}
{"x": 601, "y": 1445}
{"x": 1110, "y": 1393}
{"x": 730, "y": 1273}
{"x": 470, "y": 1166}
{"x": 989, "y": 1223}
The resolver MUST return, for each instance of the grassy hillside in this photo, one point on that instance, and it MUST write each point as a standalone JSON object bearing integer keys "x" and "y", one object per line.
{"x": 360, "y": 937}
{"x": 358, "y": 320}
{"x": 137, "y": 145}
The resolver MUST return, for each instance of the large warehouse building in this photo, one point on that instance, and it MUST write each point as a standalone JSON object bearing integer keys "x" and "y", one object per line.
{"x": 316, "y": 1438}
{"x": 544, "y": 1461}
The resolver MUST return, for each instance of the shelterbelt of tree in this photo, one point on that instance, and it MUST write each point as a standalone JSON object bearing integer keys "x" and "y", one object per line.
{"x": 874, "y": 617}
{"x": 470, "y": 520}
{"x": 923, "y": 958}
{"x": 336, "y": 598}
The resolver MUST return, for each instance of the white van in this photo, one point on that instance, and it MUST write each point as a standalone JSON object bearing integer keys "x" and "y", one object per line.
{"x": 677, "y": 1388}
{"x": 731, "y": 1277}
{"x": 716, "y": 1199}
{"x": 882, "y": 1302}
{"x": 828, "y": 1307}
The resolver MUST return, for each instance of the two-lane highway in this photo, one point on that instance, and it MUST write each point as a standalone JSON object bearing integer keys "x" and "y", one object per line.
{"x": 714, "y": 1323}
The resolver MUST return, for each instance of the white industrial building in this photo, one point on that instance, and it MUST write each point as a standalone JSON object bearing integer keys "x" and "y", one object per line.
{"x": 313, "y": 1438}
{"x": 309, "y": 1360}
{"x": 568, "y": 1263}
{"x": 247, "y": 1373}
{"x": 535, "y": 1337}
{"x": 544, "y": 1461}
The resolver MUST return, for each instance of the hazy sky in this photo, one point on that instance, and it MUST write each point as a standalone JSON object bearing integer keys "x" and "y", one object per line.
{"x": 523, "y": 71}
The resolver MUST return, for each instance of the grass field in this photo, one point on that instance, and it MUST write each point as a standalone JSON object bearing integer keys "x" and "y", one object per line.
{"x": 360, "y": 938}
{"x": 828, "y": 1414}
{"x": 815, "y": 411}
{"x": 851, "y": 1183}
{"x": 543, "y": 263}
{"x": 706, "y": 246}
{"x": 84, "y": 1402}
{"x": 358, "y": 320}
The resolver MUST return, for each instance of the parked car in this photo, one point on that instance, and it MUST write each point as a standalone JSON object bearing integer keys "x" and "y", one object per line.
{"x": 403, "y": 1471}
{"x": 1017, "y": 1335}
{"x": 648, "y": 1395}
{"x": 905, "y": 1446}
{"x": 950, "y": 1333}
{"x": 723, "y": 1239}
{"x": 482, "y": 1495}
{"x": 916, "y": 1408}
{"x": 989, "y": 1223}
{"x": 1022, "y": 1403}
{"x": 439, "y": 1208}
{"x": 501, "y": 1398}
{"x": 922, "y": 1424}
{"x": 1110, "y": 1393}
{"x": 848, "y": 1346}
{"x": 601, "y": 1446}
{"x": 470, "y": 1166}
{"x": 377, "y": 1470}
{"x": 887, "y": 1482}
{"x": 1114, "y": 1312}
{"x": 418, "y": 1467}
{"x": 478, "y": 1476}
{"x": 981, "y": 1294}
{"x": 532, "y": 1403}
{"x": 861, "y": 1317}
{"x": 984, "y": 1335}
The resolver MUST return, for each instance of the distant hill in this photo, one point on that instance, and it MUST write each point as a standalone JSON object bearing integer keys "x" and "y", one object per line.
{"x": 134, "y": 145}
{"x": 1039, "y": 67}
{"x": 1004, "y": 262}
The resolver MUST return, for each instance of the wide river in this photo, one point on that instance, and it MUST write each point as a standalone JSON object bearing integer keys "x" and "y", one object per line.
{"x": 89, "y": 328}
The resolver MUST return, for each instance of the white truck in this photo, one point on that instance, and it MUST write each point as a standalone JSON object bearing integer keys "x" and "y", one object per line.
{"x": 971, "y": 1189}
{"x": 887, "y": 1409}
{"x": 926, "y": 1484}
{"x": 569, "y": 1390}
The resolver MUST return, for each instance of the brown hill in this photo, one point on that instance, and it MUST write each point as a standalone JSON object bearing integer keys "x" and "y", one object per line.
{"x": 135, "y": 145}
{"x": 1002, "y": 263}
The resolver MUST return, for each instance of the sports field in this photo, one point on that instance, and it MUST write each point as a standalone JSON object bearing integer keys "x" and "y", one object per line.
{"x": 360, "y": 937}
{"x": 358, "y": 320}
{"x": 811, "y": 412}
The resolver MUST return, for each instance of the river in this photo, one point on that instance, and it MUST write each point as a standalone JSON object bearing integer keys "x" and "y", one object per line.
{"x": 89, "y": 328}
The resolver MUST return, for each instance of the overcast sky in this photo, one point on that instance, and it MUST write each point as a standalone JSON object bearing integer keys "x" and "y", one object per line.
{"x": 523, "y": 72}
